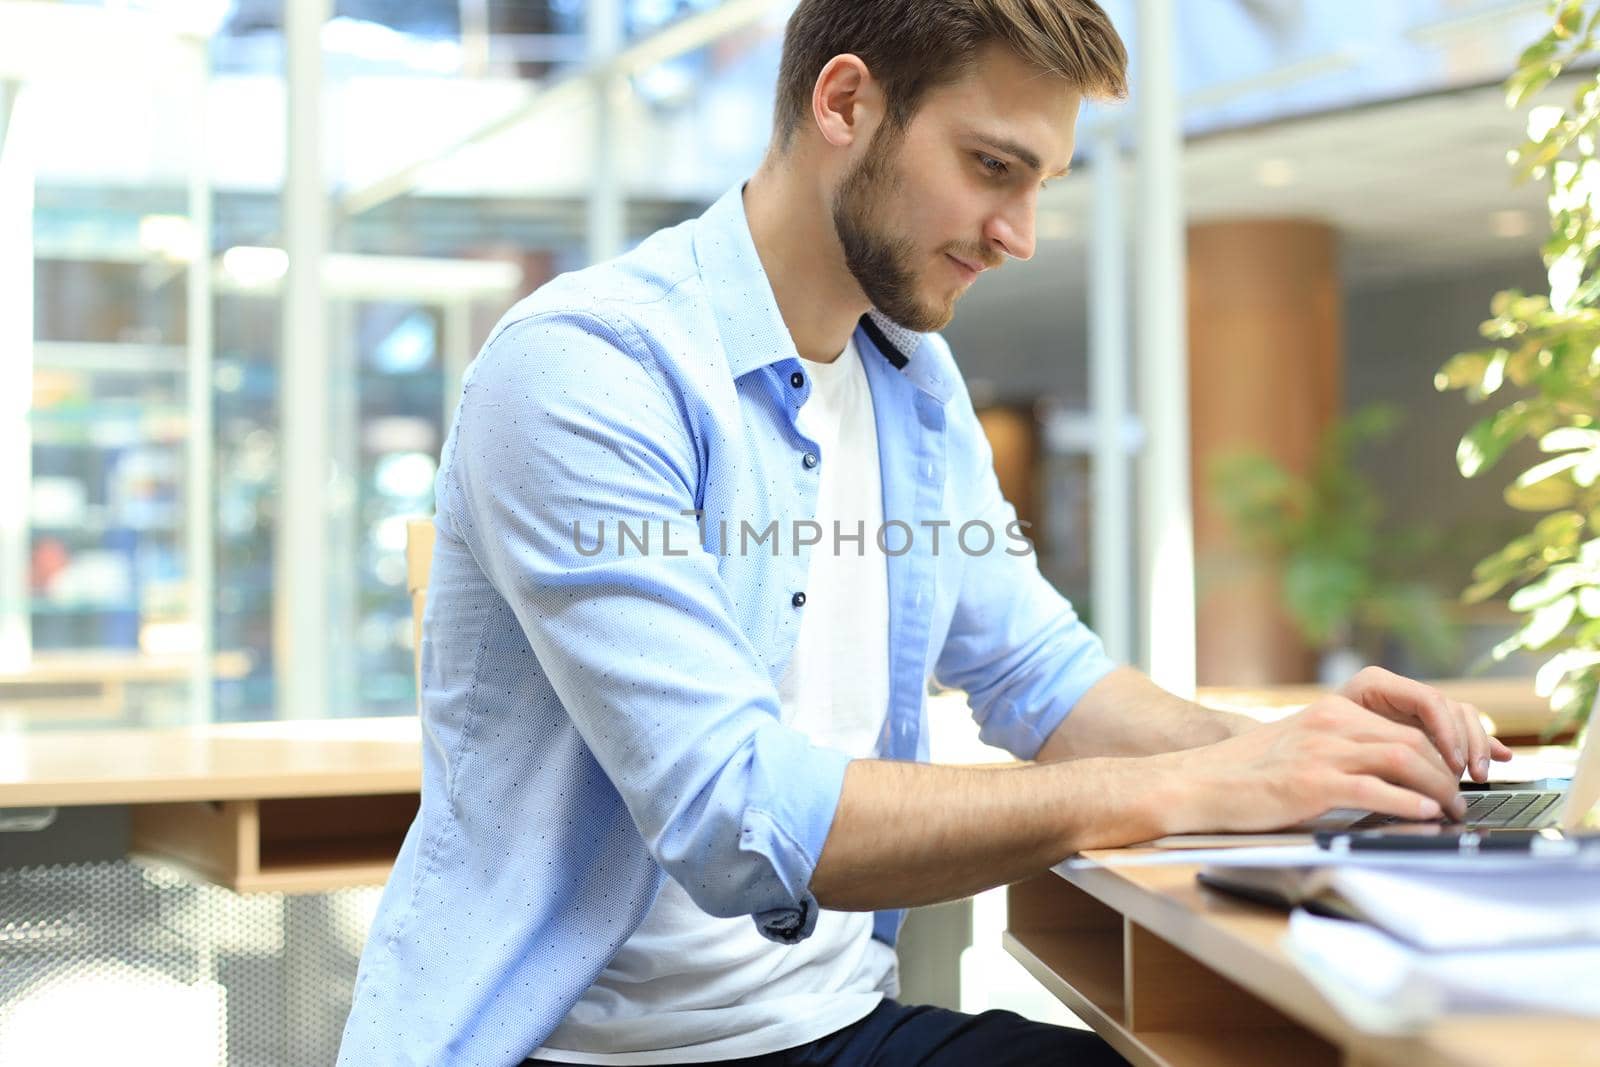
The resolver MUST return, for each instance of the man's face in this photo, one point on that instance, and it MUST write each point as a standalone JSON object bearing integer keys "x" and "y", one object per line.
{"x": 925, "y": 208}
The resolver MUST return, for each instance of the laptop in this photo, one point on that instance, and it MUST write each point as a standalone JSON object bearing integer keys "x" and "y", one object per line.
{"x": 1506, "y": 806}
{"x": 1550, "y": 806}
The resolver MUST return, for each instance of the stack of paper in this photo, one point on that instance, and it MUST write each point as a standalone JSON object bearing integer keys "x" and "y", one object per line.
{"x": 1383, "y": 985}
{"x": 1439, "y": 910}
{"x": 1437, "y": 939}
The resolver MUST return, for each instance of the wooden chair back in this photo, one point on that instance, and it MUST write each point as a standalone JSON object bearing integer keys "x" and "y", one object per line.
{"x": 419, "y": 558}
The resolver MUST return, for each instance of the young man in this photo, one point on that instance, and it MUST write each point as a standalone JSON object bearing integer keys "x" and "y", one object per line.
{"x": 709, "y": 518}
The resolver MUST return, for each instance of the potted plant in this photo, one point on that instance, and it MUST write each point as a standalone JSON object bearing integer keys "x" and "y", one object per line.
{"x": 1348, "y": 581}
{"x": 1544, "y": 350}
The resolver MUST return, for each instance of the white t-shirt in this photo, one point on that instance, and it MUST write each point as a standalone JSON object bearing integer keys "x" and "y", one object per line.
{"x": 687, "y": 987}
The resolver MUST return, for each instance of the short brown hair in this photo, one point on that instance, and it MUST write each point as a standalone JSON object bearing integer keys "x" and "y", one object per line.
{"x": 912, "y": 46}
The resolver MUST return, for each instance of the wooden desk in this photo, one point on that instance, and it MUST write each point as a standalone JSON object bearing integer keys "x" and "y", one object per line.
{"x": 93, "y": 684}
{"x": 285, "y": 806}
{"x": 1171, "y": 973}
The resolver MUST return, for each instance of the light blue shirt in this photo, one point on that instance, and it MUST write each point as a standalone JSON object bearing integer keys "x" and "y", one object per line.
{"x": 599, "y": 705}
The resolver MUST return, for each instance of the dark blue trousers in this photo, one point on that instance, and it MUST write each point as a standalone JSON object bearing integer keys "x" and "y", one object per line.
{"x": 906, "y": 1035}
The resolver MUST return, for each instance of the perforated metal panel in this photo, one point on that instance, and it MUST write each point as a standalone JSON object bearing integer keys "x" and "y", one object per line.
{"x": 125, "y": 963}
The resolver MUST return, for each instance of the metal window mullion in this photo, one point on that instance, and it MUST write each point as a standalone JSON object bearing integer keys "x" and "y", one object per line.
{"x": 16, "y": 376}
{"x": 342, "y": 502}
{"x": 1166, "y": 543}
{"x": 301, "y": 571}
{"x": 607, "y": 208}
{"x": 1112, "y": 472}
{"x": 475, "y": 38}
{"x": 200, "y": 525}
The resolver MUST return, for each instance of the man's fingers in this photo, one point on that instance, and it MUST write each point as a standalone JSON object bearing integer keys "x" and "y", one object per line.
{"x": 1374, "y": 728}
{"x": 1441, "y": 720}
{"x": 1477, "y": 741}
{"x": 1400, "y": 763}
{"x": 1370, "y": 793}
{"x": 1498, "y": 750}
{"x": 1398, "y": 697}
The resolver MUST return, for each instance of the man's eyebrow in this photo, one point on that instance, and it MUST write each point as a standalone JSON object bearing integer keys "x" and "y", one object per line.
{"x": 1025, "y": 155}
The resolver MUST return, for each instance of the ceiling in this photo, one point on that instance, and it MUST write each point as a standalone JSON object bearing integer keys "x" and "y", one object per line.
{"x": 1419, "y": 187}
{"x": 1412, "y": 187}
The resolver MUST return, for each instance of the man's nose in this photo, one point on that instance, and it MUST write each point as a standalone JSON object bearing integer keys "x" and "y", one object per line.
{"x": 1012, "y": 230}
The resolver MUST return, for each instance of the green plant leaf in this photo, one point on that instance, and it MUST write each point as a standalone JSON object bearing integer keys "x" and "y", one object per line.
{"x": 1478, "y": 592}
{"x": 1545, "y": 486}
{"x": 1553, "y": 539}
{"x": 1321, "y": 594}
{"x": 1547, "y": 623}
{"x": 1569, "y": 20}
{"x": 1555, "y": 670}
{"x": 1373, "y": 422}
{"x": 1529, "y": 307}
{"x": 1573, "y": 699}
{"x": 1483, "y": 445}
{"x": 1557, "y": 581}
{"x": 1546, "y": 495}
{"x": 1549, "y": 347}
{"x": 1463, "y": 370}
{"x": 1559, "y": 530}
{"x": 1568, "y": 437}
{"x": 1543, "y": 120}
{"x": 1509, "y": 646}
{"x": 1523, "y": 365}
{"x": 1529, "y": 80}
{"x": 1503, "y": 566}
{"x": 1494, "y": 376}
{"x": 1260, "y": 498}
{"x": 1586, "y": 473}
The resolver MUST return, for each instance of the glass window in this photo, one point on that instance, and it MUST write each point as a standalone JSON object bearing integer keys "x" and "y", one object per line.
{"x": 101, "y": 619}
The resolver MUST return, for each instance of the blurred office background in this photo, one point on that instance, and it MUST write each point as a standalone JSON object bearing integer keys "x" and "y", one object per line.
{"x": 247, "y": 250}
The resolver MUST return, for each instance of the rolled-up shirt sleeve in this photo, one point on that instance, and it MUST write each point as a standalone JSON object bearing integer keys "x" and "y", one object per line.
{"x": 1015, "y": 644}
{"x": 568, "y": 432}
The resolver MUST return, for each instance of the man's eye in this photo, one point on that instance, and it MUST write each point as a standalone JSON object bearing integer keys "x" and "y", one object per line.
{"x": 992, "y": 165}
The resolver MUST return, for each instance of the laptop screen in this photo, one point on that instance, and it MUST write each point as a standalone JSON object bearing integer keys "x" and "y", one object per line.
{"x": 1585, "y": 789}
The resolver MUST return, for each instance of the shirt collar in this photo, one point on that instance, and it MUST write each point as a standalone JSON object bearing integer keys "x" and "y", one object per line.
{"x": 753, "y": 331}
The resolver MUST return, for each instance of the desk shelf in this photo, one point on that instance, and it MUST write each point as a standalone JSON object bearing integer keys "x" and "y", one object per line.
{"x": 1174, "y": 975}
{"x": 283, "y": 845}
{"x": 1157, "y": 1006}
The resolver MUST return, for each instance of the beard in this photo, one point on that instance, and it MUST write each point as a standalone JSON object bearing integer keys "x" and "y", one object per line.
{"x": 881, "y": 262}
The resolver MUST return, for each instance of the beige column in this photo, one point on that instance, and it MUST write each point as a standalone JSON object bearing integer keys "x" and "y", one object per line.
{"x": 1013, "y": 433}
{"x": 1266, "y": 351}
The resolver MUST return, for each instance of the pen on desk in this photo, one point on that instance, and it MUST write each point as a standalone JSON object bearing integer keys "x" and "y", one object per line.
{"x": 1468, "y": 842}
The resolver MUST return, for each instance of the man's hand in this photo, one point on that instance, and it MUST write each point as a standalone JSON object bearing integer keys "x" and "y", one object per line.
{"x": 1333, "y": 754}
{"x": 1131, "y": 763}
{"x": 1455, "y": 728}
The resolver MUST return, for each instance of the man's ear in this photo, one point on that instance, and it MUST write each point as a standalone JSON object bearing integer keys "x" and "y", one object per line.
{"x": 846, "y": 102}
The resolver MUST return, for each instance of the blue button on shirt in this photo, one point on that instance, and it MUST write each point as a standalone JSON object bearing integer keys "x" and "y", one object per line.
{"x": 611, "y": 606}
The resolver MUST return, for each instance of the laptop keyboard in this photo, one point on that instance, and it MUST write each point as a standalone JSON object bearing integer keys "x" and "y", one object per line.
{"x": 1493, "y": 811}
{"x": 1514, "y": 810}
